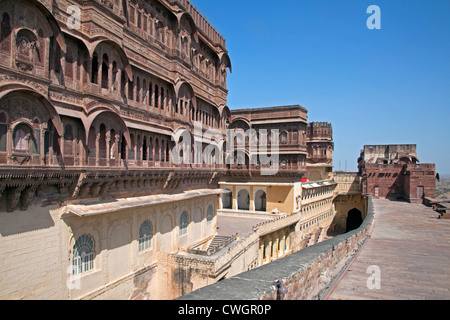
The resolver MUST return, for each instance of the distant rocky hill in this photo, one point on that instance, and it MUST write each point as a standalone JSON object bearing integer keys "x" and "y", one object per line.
{"x": 443, "y": 187}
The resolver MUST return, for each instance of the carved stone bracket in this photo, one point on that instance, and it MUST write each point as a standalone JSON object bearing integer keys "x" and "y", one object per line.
{"x": 13, "y": 197}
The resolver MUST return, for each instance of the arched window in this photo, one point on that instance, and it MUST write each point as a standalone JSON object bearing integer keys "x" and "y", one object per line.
{"x": 157, "y": 154}
{"x": 144, "y": 90}
{"x": 130, "y": 89}
{"x": 227, "y": 200}
{"x": 145, "y": 236}
{"x": 105, "y": 71}
{"x": 123, "y": 83}
{"x": 209, "y": 215}
{"x": 91, "y": 143}
{"x": 151, "y": 151}
{"x": 69, "y": 64}
{"x": 132, "y": 148}
{"x": 283, "y": 137}
{"x": 83, "y": 255}
{"x": 163, "y": 147}
{"x": 21, "y": 137}
{"x": 3, "y": 131}
{"x": 102, "y": 142}
{"x": 144, "y": 150}
{"x": 183, "y": 224}
{"x": 138, "y": 148}
{"x": 123, "y": 148}
{"x": 150, "y": 93}
{"x": 5, "y": 31}
{"x": 139, "y": 19}
{"x": 94, "y": 77}
{"x": 167, "y": 152}
{"x": 156, "y": 96}
{"x": 138, "y": 89}
{"x": 68, "y": 140}
{"x": 260, "y": 200}
{"x": 243, "y": 200}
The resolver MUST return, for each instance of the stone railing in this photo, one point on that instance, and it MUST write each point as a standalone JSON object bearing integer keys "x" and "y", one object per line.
{"x": 276, "y": 224}
{"x": 213, "y": 249}
{"x": 224, "y": 257}
{"x": 306, "y": 274}
{"x": 202, "y": 24}
{"x": 231, "y": 249}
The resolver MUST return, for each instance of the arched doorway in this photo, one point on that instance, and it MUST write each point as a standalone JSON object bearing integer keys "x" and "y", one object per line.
{"x": 260, "y": 201}
{"x": 354, "y": 219}
{"x": 227, "y": 200}
{"x": 243, "y": 200}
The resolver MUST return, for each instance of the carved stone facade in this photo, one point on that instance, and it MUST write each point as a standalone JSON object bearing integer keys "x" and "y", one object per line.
{"x": 92, "y": 203}
{"x": 87, "y": 116}
{"x": 393, "y": 172}
{"x": 108, "y": 94}
{"x": 320, "y": 150}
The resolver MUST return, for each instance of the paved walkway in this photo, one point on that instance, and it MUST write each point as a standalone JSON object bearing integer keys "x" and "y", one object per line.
{"x": 411, "y": 247}
{"x": 231, "y": 225}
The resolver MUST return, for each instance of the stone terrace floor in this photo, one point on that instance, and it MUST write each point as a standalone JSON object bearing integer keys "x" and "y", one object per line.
{"x": 241, "y": 225}
{"x": 412, "y": 249}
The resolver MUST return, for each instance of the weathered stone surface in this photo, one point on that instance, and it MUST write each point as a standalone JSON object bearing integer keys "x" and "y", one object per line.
{"x": 410, "y": 245}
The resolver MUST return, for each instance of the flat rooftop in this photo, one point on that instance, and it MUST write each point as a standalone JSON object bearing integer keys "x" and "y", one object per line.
{"x": 229, "y": 225}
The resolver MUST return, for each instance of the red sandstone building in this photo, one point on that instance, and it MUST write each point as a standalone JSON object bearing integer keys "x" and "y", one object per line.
{"x": 393, "y": 172}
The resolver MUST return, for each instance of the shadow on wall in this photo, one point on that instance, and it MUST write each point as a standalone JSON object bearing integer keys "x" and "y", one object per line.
{"x": 18, "y": 221}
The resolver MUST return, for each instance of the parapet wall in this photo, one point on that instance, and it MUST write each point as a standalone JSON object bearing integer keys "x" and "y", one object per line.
{"x": 306, "y": 274}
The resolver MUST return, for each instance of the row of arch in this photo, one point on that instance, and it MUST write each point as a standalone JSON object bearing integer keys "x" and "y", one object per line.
{"x": 243, "y": 200}
{"x": 274, "y": 246}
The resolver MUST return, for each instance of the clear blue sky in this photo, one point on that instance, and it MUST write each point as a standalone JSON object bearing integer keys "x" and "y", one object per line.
{"x": 388, "y": 86}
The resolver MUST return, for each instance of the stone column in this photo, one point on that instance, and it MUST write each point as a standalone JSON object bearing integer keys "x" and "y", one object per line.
{"x": 148, "y": 150}
{"x": 234, "y": 205}
{"x": 275, "y": 241}
{"x": 288, "y": 242}
{"x": 269, "y": 251}
{"x": 42, "y": 146}
{"x": 117, "y": 149}
{"x": 108, "y": 147}
{"x": 261, "y": 253}
{"x": 282, "y": 243}
{"x": 159, "y": 98}
{"x": 252, "y": 199}
{"x": 97, "y": 149}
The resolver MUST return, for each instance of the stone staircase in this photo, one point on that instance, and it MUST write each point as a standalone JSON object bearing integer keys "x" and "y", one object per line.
{"x": 215, "y": 244}
{"x": 219, "y": 242}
